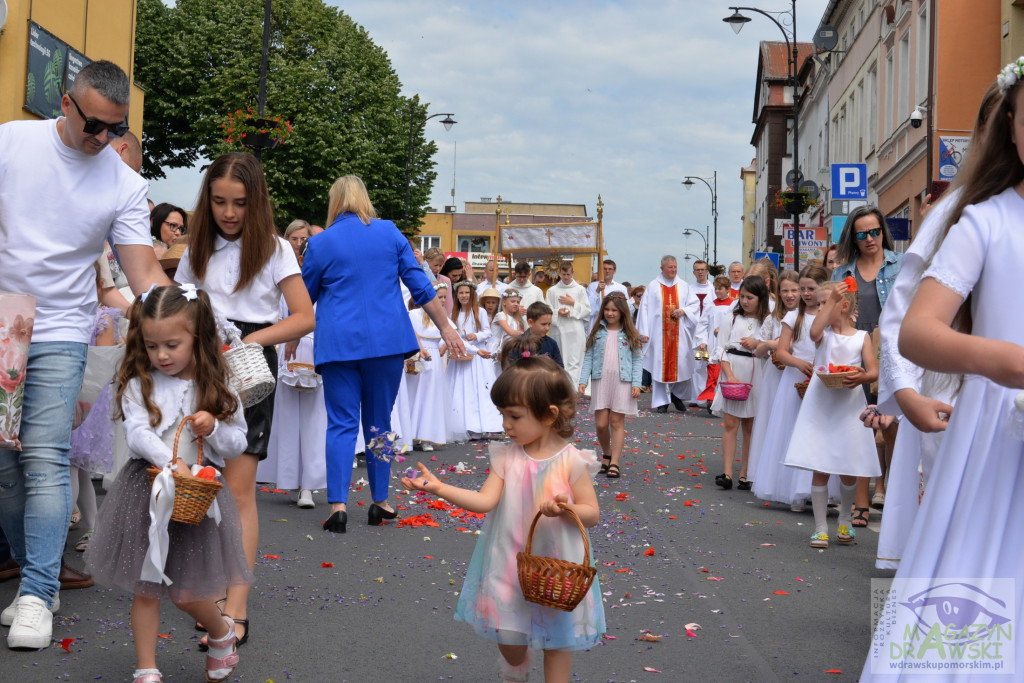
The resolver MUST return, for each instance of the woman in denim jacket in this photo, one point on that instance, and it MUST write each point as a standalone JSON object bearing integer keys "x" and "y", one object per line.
{"x": 617, "y": 369}
{"x": 866, "y": 250}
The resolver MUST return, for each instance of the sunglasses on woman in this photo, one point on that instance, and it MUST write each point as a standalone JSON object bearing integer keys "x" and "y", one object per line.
{"x": 874, "y": 232}
{"x": 95, "y": 126}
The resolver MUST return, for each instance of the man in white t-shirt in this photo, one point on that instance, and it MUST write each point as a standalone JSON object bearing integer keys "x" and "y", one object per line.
{"x": 64, "y": 192}
{"x": 599, "y": 289}
{"x": 529, "y": 293}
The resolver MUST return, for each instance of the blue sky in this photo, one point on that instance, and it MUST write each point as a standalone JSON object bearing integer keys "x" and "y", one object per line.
{"x": 562, "y": 101}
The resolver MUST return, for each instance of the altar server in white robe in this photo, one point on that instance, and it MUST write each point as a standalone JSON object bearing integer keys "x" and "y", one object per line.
{"x": 667, "y": 321}
{"x": 705, "y": 292}
{"x": 528, "y": 292}
{"x": 568, "y": 299}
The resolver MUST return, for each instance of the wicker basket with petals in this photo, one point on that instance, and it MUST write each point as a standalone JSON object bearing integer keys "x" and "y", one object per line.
{"x": 192, "y": 495}
{"x": 551, "y": 582}
{"x": 736, "y": 391}
{"x": 834, "y": 380}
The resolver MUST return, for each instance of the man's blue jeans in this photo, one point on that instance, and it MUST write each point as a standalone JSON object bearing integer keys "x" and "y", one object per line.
{"x": 35, "y": 487}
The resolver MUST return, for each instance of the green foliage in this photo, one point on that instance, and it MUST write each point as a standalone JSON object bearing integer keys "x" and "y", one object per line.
{"x": 200, "y": 60}
{"x": 52, "y": 80}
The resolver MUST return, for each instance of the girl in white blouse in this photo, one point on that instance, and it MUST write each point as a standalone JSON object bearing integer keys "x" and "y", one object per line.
{"x": 236, "y": 256}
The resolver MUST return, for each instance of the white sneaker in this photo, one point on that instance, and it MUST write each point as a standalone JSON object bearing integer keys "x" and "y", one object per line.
{"x": 796, "y": 507}
{"x": 306, "y": 499}
{"x": 33, "y": 625}
{"x": 427, "y": 448}
{"x": 7, "y": 616}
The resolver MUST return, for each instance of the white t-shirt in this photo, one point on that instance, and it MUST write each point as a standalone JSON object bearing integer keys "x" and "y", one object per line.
{"x": 57, "y": 206}
{"x": 257, "y": 303}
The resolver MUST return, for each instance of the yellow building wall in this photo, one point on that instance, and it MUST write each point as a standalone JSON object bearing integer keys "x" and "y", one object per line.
{"x": 1011, "y": 30}
{"x": 749, "y": 177}
{"x": 99, "y": 30}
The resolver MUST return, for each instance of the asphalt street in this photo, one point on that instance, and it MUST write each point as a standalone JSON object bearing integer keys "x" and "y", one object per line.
{"x": 698, "y": 583}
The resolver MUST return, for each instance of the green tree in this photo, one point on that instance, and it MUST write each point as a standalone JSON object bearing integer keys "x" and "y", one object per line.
{"x": 200, "y": 60}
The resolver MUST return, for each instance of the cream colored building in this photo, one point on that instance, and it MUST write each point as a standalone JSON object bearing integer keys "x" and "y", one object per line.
{"x": 748, "y": 176}
{"x": 471, "y": 234}
{"x": 1011, "y": 30}
{"x": 95, "y": 30}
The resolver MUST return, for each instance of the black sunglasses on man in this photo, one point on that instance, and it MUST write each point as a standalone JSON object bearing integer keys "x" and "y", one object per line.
{"x": 95, "y": 126}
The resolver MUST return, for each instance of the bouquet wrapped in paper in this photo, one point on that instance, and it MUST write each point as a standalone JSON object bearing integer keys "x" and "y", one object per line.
{"x": 17, "y": 313}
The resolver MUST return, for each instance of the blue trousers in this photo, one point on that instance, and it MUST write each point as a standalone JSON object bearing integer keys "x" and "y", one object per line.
{"x": 372, "y": 385}
{"x": 35, "y": 487}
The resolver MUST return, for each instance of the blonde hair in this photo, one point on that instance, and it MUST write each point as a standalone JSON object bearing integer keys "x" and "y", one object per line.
{"x": 849, "y": 297}
{"x": 348, "y": 195}
{"x": 295, "y": 226}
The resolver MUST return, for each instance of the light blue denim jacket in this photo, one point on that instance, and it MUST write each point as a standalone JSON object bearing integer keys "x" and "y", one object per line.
{"x": 630, "y": 362}
{"x": 885, "y": 279}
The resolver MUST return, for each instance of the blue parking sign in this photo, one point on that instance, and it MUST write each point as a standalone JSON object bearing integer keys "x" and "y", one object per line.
{"x": 849, "y": 181}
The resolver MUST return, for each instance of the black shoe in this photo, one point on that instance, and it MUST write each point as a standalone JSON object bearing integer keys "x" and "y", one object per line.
{"x": 679, "y": 403}
{"x": 9, "y": 569}
{"x": 724, "y": 481}
{"x": 661, "y": 409}
{"x": 376, "y": 515}
{"x": 336, "y": 522}
{"x": 743, "y": 484}
{"x": 71, "y": 579}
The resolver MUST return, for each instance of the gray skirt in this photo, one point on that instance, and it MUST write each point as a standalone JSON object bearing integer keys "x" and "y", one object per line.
{"x": 203, "y": 559}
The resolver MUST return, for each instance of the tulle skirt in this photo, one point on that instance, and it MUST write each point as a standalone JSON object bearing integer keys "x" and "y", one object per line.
{"x": 203, "y": 560}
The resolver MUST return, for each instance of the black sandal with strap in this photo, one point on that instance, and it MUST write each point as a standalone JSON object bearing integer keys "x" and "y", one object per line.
{"x": 860, "y": 515}
{"x": 606, "y": 462}
{"x": 724, "y": 480}
{"x": 743, "y": 484}
{"x": 613, "y": 472}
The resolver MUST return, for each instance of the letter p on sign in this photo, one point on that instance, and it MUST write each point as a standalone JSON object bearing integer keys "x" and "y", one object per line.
{"x": 849, "y": 181}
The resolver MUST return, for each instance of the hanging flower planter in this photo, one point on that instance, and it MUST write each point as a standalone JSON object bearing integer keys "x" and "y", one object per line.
{"x": 255, "y": 132}
{"x": 794, "y": 201}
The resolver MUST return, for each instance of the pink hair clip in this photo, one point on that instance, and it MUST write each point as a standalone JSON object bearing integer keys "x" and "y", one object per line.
{"x": 526, "y": 354}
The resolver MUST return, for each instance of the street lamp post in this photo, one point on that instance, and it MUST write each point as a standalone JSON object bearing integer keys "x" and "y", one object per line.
{"x": 736, "y": 21}
{"x": 713, "y": 186}
{"x": 261, "y": 103}
{"x": 688, "y": 232}
{"x": 448, "y": 122}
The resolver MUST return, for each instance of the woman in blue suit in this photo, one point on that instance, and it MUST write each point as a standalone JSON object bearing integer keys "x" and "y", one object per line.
{"x": 363, "y": 334}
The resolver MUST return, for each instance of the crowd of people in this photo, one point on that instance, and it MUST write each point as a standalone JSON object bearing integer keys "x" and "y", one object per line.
{"x": 376, "y": 347}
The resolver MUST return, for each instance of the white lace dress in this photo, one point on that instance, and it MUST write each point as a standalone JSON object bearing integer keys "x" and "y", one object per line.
{"x": 967, "y": 525}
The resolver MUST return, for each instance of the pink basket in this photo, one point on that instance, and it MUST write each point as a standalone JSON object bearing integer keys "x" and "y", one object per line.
{"x": 736, "y": 391}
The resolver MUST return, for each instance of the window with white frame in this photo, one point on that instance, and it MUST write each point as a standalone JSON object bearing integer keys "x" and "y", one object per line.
{"x": 872, "y": 106}
{"x": 921, "y": 66}
{"x": 890, "y": 106}
{"x": 903, "y": 95}
{"x": 473, "y": 243}
{"x": 429, "y": 241}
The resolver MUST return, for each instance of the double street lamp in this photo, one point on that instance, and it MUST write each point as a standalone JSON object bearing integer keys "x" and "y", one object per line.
{"x": 448, "y": 122}
{"x": 736, "y": 21}
{"x": 688, "y": 232}
{"x": 713, "y": 186}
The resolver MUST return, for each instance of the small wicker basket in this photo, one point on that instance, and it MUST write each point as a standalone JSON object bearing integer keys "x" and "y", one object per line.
{"x": 552, "y": 582}
{"x": 834, "y": 380}
{"x": 294, "y": 365}
{"x": 250, "y": 374}
{"x": 801, "y": 388}
{"x": 736, "y": 391}
{"x": 192, "y": 495}
{"x": 413, "y": 366}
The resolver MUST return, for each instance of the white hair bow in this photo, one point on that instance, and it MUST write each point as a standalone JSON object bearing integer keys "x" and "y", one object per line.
{"x": 189, "y": 291}
{"x": 147, "y": 292}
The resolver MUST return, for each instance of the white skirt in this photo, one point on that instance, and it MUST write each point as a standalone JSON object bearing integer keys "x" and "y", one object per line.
{"x": 296, "y": 452}
{"x": 744, "y": 369}
{"x": 828, "y": 435}
{"x": 766, "y": 389}
{"x": 966, "y": 530}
